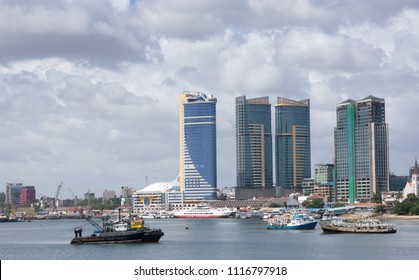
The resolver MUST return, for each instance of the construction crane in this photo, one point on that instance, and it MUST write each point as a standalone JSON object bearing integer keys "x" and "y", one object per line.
{"x": 75, "y": 201}
{"x": 56, "y": 196}
{"x": 75, "y": 197}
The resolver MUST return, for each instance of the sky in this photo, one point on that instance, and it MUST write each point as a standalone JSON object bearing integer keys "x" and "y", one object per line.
{"x": 89, "y": 90}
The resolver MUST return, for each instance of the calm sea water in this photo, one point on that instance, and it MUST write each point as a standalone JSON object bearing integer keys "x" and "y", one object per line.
{"x": 201, "y": 239}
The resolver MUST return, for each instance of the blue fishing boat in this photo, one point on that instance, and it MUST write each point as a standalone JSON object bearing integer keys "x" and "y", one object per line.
{"x": 295, "y": 221}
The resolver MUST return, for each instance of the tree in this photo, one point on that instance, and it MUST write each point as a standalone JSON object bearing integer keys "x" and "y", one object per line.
{"x": 379, "y": 209}
{"x": 222, "y": 196}
{"x": 314, "y": 203}
{"x": 406, "y": 206}
{"x": 415, "y": 209}
{"x": 411, "y": 197}
{"x": 377, "y": 198}
{"x": 403, "y": 208}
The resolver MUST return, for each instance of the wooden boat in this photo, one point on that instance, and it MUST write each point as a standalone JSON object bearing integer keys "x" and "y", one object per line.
{"x": 367, "y": 225}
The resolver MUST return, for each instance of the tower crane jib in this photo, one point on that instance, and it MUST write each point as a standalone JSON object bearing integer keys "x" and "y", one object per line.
{"x": 56, "y": 195}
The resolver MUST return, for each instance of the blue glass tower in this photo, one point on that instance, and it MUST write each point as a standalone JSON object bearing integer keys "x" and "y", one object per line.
{"x": 254, "y": 164}
{"x": 292, "y": 142}
{"x": 198, "y": 149}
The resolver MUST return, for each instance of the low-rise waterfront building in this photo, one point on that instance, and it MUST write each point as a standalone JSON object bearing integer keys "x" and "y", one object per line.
{"x": 89, "y": 196}
{"x": 17, "y": 194}
{"x": 126, "y": 196}
{"x": 323, "y": 173}
{"x": 309, "y": 185}
{"x": 158, "y": 196}
{"x": 326, "y": 190}
{"x": 108, "y": 195}
{"x": 390, "y": 197}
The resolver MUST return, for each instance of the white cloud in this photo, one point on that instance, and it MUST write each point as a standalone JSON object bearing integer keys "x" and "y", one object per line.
{"x": 247, "y": 65}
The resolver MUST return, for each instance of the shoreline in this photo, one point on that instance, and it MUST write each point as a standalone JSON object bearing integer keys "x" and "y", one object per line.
{"x": 388, "y": 217}
{"x": 398, "y": 217}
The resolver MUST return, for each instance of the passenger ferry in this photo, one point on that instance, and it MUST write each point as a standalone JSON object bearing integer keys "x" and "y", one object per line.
{"x": 202, "y": 211}
{"x": 367, "y": 225}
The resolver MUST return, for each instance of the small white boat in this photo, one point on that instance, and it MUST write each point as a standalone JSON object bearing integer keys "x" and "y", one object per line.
{"x": 150, "y": 215}
{"x": 165, "y": 215}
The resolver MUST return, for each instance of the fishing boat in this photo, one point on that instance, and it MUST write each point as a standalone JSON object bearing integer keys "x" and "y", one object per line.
{"x": 292, "y": 221}
{"x": 121, "y": 232}
{"x": 202, "y": 210}
{"x": 365, "y": 225}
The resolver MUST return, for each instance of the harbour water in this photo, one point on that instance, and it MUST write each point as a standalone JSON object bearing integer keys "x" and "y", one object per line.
{"x": 213, "y": 239}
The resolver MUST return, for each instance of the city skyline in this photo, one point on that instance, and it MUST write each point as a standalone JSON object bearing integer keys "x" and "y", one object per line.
{"x": 92, "y": 100}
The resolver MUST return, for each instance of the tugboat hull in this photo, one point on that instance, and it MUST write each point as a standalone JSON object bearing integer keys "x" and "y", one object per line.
{"x": 136, "y": 236}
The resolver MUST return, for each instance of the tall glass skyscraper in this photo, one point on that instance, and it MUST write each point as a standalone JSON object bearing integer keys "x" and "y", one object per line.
{"x": 254, "y": 164}
{"x": 198, "y": 150}
{"x": 361, "y": 149}
{"x": 292, "y": 142}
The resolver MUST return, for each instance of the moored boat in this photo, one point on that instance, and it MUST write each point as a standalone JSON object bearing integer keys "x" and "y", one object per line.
{"x": 6, "y": 219}
{"x": 295, "y": 221}
{"x": 202, "y": 211}
{"x": 165, "y": 215}
{"x": 368, "y": 225}
{"x": 150, "y": 215}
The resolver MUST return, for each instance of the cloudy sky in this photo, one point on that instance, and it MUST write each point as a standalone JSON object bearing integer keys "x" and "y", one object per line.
{"x": 89, "y": 89}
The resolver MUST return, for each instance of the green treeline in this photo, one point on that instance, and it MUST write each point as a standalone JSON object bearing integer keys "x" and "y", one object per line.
{"x": 410, "y": 205}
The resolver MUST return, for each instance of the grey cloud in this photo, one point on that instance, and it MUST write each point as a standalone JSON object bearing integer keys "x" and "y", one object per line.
{"x": 375, "y": 11}
{"x": 80, "y": 31}
{"x": 386, "y": 83}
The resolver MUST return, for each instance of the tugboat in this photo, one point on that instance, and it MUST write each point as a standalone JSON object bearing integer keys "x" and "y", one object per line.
{"x": 133, "y": 232}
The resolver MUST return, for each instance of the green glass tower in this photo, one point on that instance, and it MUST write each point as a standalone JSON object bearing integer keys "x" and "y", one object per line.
{"x": 361, "y": 149}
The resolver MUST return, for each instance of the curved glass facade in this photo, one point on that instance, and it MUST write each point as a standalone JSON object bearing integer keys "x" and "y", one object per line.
{"x": 198, "y": 162}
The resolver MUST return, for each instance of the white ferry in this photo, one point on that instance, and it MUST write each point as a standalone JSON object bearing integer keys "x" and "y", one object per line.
{"x": 202, "y": 211}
